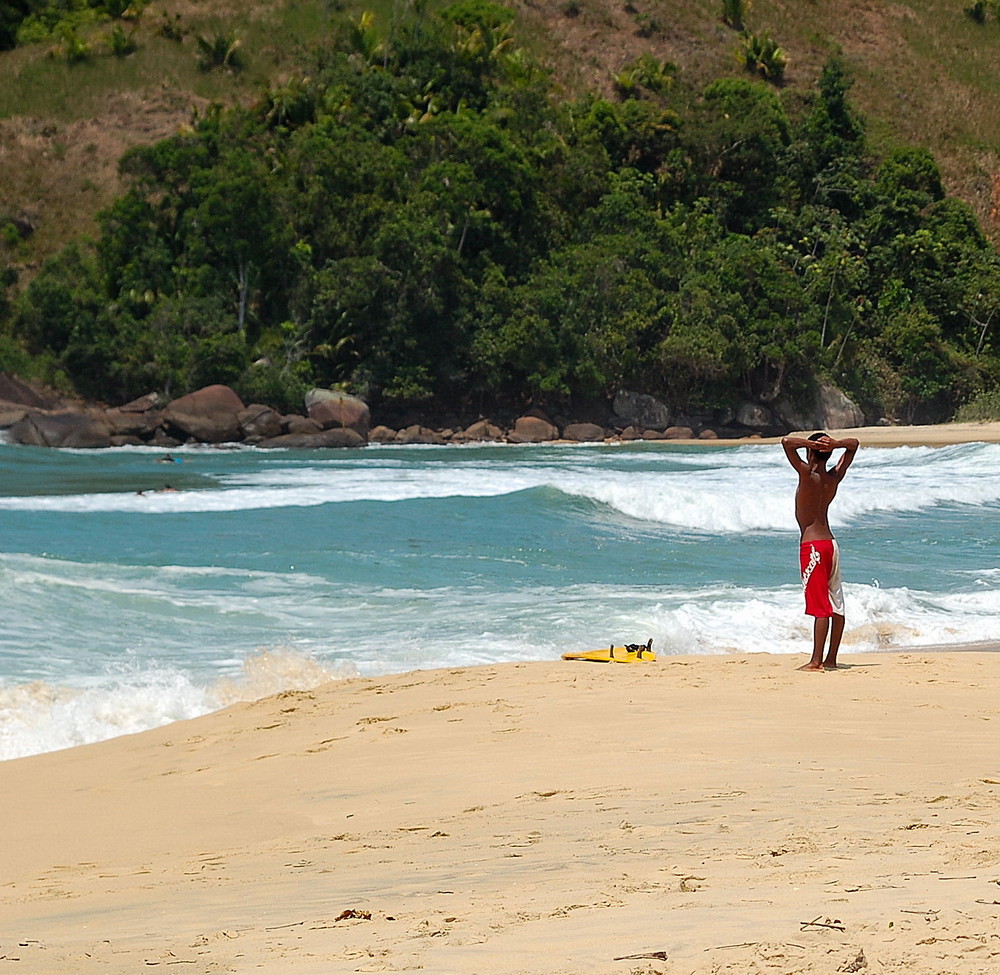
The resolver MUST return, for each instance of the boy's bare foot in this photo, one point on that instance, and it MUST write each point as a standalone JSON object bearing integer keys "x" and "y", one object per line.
{"x": 811, "y": 666}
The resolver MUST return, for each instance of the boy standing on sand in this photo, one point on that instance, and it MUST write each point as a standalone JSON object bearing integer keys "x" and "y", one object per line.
{"x": 818, "y": 553}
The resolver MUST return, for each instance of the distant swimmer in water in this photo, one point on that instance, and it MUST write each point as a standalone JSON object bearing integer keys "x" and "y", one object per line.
{"x": 167, "y": 459}
{"x": 166, "y": 487}
{"x": 819, "y": 557}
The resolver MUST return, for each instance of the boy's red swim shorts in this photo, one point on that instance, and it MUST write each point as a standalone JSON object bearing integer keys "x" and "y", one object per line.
{"x": 820, "y": 562}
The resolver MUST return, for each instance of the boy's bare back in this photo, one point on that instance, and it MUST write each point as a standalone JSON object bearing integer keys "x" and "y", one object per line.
{"x": 817, "y": 485}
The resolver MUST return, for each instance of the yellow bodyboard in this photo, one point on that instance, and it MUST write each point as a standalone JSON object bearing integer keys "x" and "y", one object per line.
{"x": 630, "y": 654}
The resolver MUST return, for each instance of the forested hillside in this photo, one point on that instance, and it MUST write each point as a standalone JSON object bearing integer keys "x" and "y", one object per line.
{"x": 419, "y": 208}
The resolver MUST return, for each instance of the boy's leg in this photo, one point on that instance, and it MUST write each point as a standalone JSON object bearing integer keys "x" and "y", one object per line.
{"x": 821, "y": 625}
{"x": 836, "y": 632}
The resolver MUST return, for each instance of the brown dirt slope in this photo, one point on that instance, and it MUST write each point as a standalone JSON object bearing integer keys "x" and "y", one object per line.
{"x": 925, "y": 74}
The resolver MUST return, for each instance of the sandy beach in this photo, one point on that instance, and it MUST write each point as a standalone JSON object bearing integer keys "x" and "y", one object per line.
{"x": 931, "y": 435}
{"x": 692, "y": 814}
{"x": 703, "y": 815}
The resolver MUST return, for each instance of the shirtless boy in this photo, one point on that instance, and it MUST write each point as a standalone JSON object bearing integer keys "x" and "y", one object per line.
{"x": 818, "y": 554}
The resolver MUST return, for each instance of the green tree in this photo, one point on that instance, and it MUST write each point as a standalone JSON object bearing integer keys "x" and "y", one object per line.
{"x": 737, "y": 138}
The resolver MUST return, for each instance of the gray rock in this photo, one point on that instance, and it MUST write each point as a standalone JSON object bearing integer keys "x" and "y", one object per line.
{"x": 792, "y": 417}
{"x": 62, "y": 430}
{"x": 754, "y": 415}
{"x": 641, "y": 410}
{"x": 836, "y": 411}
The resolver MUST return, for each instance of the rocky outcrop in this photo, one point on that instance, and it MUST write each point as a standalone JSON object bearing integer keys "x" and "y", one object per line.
{"x": 583, "y": 433}
{"x": 209, "y": 415}
{"x": 479, "y": 431}
{"x": 259, "y": 422}
{"x": 835, "y": 410}
{"x": 415, "y": 433}
{"x": 331, "y": 408}
{"x": 19, "y": 393}
{"x": 640, "y": 410}
{"x": 337, "y": 437}
{"x": 10, "y": 415}
{"x": 754, "y": 415}
{"x": 302, "y": 425}
{"x": 62, "y": 430}
{"x": 532, "y": 429}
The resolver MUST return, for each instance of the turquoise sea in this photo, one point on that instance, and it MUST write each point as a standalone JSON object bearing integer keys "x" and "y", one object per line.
{"x": 273, "y": 569}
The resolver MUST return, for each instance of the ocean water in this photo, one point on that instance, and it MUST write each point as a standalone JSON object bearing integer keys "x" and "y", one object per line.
{"x": 265, "y": 570}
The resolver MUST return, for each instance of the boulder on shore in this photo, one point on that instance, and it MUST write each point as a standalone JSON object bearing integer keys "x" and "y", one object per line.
{"x": 62, "y": 430}
{"x": 8, "y": 417}
{"x": 836, "y": 410}
{"x": 259, "y": 422}
{"x": 479, "y": 431}
{"x": 337, "y": 437}
{"x": 415, "y": 433}
{"x": 532, "y": 429}
{"x": 208, "y": 415}
{"x": 583, "y": 433}
{"x": 754, "y": 415}
{"x": 331, "y": 408}
{"x": 641, "y": 410}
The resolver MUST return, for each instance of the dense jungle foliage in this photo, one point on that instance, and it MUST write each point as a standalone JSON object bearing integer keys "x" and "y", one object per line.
{"x": 418, "y": 218}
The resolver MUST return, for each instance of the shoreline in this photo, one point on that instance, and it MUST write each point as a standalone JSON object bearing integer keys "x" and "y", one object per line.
{"x": 930, "y": 435}
{"x": 726, "y": 813}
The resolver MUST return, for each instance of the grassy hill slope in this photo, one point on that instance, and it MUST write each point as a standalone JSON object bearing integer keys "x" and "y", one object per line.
{"x": 925, "y": 75}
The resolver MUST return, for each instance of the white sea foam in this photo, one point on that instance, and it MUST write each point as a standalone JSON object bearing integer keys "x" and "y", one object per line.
{"x": 395, "y": 630}
{"x": 41, "y": 717}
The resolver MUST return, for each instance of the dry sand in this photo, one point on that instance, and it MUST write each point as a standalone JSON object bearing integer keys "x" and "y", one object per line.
{"x": 931, "y": 435}
{"x": 727, "y": 814}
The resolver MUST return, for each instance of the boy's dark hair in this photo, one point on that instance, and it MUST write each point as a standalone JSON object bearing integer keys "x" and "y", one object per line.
{"x": 815, "y": 450}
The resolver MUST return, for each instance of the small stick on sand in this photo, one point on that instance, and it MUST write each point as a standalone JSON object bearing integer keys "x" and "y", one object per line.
{"x": 835, "y": 925}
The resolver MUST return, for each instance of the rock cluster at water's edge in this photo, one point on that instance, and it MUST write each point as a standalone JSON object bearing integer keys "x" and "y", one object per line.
{"x": 331, "y": 418}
